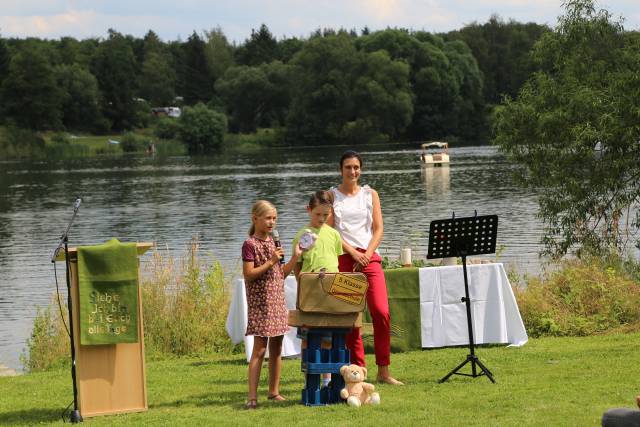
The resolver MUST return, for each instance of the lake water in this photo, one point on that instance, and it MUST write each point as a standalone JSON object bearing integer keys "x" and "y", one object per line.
{"x": 169, "y": 200}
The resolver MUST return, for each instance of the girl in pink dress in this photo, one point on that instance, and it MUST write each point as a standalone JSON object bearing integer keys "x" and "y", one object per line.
{"x": 267, "y": 311}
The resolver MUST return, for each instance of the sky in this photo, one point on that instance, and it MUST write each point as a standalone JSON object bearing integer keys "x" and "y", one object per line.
{"x": 177, "y": 19}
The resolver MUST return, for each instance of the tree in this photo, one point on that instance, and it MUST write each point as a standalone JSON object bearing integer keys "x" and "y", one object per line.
{"x": 5, "y": 57}
{"x": 80, "y": 97}
{"x": 30, "y": 95}
{"x": 445, "y": 81}
{"x": 114, "y": 65}
{"x": 322, "y": 103}
{"x": 575, "y": 130}
{"x": 157, "y": 80}
{"x": 202, "y": 129}
{"x": 467, "y": 118}
{"x": 198, "y": 78}
{"x": 382, "y": 96}
{"x": 503, "y": 52}
{"x": 255, "y": 96}
{"x": 289, "y": 47}
{"x": 345, "y": 95}
{"x": 219, "y": 52}
{"x": 258, "y": 49}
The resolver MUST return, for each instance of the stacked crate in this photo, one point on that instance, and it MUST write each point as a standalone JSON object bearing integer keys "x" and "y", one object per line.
{"x": 317, "y": 361}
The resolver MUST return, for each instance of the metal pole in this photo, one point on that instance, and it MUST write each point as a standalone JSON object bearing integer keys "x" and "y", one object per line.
{"x": 75, "y": 414}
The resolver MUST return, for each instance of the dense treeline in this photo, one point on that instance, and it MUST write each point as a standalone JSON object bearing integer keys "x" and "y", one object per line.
{"x": 334, "y": 86}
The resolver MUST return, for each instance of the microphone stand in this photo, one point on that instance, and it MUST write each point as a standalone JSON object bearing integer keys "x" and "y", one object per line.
{"x": 64, "y": 242}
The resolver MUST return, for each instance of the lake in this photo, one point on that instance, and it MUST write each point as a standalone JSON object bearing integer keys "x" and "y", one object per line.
{"x": 170, "y": 200}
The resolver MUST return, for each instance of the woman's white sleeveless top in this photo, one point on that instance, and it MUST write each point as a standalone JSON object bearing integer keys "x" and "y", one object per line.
{"x": 353, "y": 216}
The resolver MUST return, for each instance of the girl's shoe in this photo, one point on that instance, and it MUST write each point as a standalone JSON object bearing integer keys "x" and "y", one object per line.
{"x": 251, "y": 404}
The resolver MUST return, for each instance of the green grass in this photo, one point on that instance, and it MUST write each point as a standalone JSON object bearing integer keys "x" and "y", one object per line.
{"x": 549, "y": 381}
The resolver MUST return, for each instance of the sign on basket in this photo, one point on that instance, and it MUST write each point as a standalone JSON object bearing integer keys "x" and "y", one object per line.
{"x": 348, "y": 289}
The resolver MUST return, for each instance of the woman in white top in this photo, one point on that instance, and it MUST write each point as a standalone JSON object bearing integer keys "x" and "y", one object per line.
{"x": 358, "y": 218}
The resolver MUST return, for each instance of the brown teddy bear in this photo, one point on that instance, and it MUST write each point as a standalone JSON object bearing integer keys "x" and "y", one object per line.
{"x": 356, "y": 391}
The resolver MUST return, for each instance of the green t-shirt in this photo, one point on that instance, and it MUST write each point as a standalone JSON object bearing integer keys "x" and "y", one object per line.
{"x": 325, "y": 252}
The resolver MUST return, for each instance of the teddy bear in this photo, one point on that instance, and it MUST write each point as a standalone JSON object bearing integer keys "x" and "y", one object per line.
{"x": 356, "y": 391}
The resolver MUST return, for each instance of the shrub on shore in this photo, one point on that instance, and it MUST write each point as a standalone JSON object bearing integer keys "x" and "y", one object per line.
{"x": 131, "y": 143}
{"x": 48, "y": 345}
{"x": 185, "y": 304}
{"x": 581, "y": 297}
{"x": 16, "y": 142}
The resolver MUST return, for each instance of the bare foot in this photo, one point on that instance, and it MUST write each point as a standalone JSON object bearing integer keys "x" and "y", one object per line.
{"x": 389, "y": 380}
{"x": 384, "y": 376}
{"x": 276, "y": 397}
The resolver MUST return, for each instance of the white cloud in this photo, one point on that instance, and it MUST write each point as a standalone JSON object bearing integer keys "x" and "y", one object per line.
{"x": 179, "y": 18}
{"x": 82, "y": 24}
{"x": 72, "y": 22}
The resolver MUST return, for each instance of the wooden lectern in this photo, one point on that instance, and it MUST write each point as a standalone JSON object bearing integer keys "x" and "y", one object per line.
{"x": 110, "y": 378}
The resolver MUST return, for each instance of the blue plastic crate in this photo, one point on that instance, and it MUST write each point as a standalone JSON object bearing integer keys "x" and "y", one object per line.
{"x": 315, "y": 395}
{"x": 317, "y": 361}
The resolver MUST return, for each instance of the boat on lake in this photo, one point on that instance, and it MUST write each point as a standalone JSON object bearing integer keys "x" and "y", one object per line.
{"x": 435, "y": 153}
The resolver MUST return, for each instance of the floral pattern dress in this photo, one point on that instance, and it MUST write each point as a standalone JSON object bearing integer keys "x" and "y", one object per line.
{"x": 267, "y": 309}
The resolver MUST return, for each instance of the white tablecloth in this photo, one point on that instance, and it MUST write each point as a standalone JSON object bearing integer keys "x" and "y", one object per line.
{"x": 237, "y": 318}
{"x": 443, "y": 318}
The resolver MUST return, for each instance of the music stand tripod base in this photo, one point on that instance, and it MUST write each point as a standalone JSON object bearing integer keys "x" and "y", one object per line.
{"x": 461, "y": 237}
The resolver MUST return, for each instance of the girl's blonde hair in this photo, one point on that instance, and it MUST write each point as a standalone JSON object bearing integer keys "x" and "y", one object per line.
{"x": 260, "y": 208}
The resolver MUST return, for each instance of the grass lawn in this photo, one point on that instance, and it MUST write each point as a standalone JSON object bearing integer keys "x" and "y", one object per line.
{"x": 550, "y": 381}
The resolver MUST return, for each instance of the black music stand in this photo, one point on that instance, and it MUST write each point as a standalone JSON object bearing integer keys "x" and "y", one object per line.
{"x": 462, "y": 237}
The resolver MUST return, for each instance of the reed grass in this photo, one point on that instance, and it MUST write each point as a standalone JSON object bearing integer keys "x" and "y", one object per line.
{"x": 185, "y": 304}
{"x": 581, "y": 297}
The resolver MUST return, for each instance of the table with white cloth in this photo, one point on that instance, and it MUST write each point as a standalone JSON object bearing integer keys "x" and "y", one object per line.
{"x": 237, "y": 318}
{"x": 425, "y": 306}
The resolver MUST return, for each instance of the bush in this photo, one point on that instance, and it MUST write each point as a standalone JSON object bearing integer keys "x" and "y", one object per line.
{"x": 580, "y": 298}
{"x": 48, "y": 344}
{"x": 132, "y": 142}
{"x": 167, "y": 128}
{"x": 202, "y": 129}
{"x": 65, "y": 151}
{"x": 16, "y": 142}
{"x": 60, "y": 138}
{"x": 249, "y": 142}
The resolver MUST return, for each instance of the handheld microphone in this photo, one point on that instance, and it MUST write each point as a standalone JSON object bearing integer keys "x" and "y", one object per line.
{"x": 276, "y": 240}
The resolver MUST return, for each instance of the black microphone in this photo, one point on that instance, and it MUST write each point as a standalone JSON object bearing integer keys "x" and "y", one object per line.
{"x": 276, "y": 240}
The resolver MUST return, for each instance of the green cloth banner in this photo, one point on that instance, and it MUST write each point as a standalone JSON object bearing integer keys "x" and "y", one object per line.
{"x": 403, "y": 288}
{"x": 108, "y": 289}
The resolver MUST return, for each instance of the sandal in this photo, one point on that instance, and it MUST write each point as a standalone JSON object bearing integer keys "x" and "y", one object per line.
{"x": 276, "y": 397}
{"x": 251, "y": 404}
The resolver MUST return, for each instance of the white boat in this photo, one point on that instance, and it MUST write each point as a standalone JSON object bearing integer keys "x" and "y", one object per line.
{"x": 435, "y": 154}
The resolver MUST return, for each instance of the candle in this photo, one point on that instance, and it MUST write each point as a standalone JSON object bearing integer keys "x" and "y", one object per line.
{"x": 405, "y": 257}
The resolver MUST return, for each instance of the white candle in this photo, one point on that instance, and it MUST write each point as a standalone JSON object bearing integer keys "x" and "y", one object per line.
{"x": 405, "y": 257}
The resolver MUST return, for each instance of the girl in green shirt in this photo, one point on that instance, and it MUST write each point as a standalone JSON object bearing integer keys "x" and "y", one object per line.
{"x": 323, "y": 254}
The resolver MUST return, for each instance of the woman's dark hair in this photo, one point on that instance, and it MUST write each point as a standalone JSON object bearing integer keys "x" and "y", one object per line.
{"x": 321, "y": 198}
{"x": 350, "y": 154}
